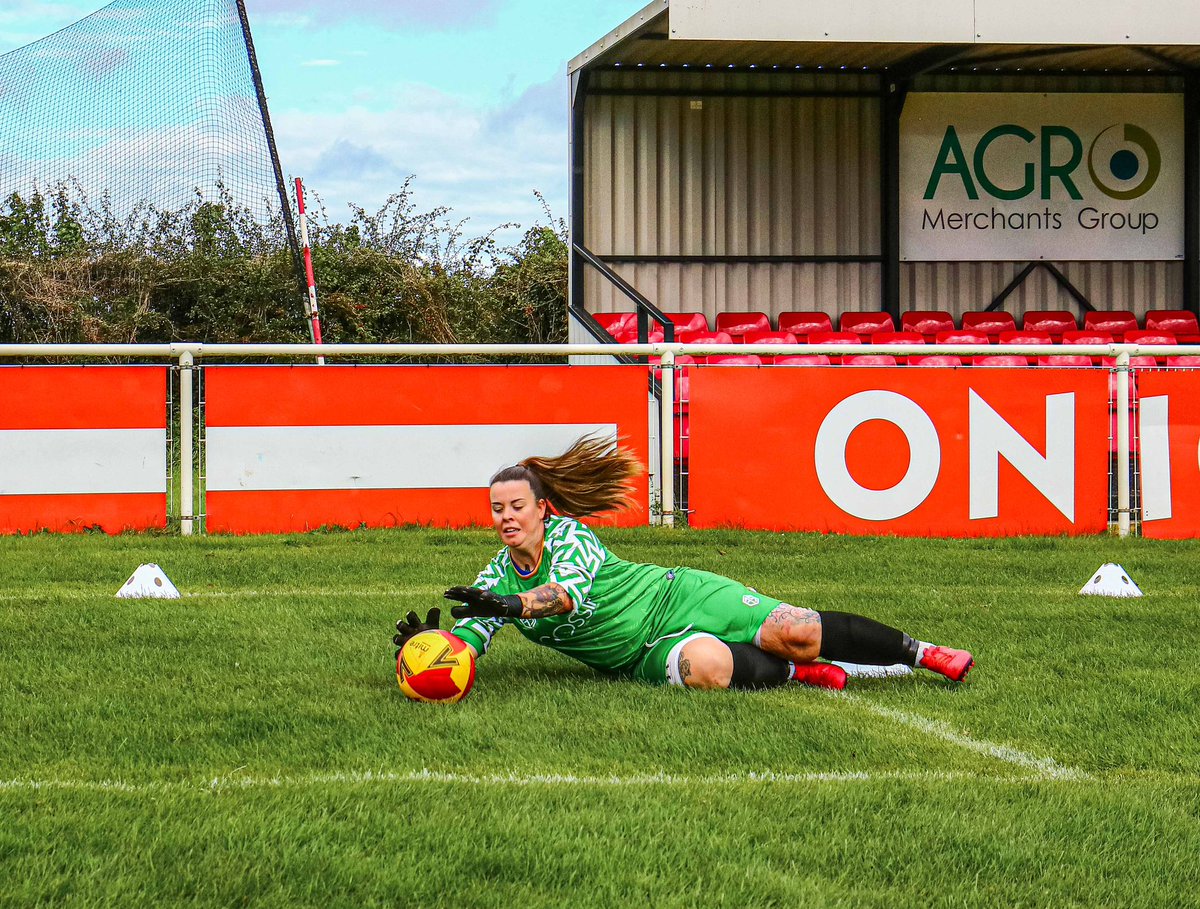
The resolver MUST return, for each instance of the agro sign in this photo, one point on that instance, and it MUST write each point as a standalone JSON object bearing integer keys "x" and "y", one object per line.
{"x": 996, "y": 176}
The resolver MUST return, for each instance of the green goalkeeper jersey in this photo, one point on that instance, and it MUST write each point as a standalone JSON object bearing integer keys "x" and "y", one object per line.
{"x": 620, "y": 606}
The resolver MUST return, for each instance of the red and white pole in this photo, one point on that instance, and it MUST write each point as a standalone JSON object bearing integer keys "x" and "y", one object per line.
{"x": 310, "y": 305}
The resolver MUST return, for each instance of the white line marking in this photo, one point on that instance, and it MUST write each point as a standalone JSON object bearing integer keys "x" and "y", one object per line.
{"x": 1045, "y": 767}
{"x": 365, "y": 778}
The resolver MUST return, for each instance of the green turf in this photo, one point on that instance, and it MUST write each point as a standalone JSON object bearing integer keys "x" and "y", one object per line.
{"x": 247, "y": 745}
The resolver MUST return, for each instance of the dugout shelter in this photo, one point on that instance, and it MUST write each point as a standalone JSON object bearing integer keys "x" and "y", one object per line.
{"x": 733, "y": 156}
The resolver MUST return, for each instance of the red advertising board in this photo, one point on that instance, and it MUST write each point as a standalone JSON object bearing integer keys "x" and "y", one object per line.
{"x": 906, "y": 451}
{"x": 83, "y": 447}
{"x": 1168, "y": 423}
{"x": 293, "y": 448}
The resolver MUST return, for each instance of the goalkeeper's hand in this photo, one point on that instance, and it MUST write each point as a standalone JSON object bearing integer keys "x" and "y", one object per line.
{"x": 483, "y": 604}
{"x": 412, "y": 625}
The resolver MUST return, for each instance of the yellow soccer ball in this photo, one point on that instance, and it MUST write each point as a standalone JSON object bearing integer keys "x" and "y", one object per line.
{"x": 435, "y": 666}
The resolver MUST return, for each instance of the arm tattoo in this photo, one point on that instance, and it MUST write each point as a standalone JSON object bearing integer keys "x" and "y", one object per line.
{"x": 549, "y": 599}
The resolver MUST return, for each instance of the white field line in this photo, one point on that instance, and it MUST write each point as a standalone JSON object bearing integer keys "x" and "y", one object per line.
{"x": 1044, "y": 767}
{"x": 384, "y": 778}
{"x": 224, "y": 594}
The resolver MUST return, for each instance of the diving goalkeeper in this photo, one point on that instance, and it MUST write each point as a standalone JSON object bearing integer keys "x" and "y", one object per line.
{"x": 558, "y": 584}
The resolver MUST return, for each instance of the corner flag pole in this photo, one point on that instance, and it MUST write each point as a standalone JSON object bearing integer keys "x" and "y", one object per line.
{"x": 310, "y": 303}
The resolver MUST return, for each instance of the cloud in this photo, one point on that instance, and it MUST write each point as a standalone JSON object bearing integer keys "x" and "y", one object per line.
{"x": 432, "y": 14}
{"x": 484, "y": 164}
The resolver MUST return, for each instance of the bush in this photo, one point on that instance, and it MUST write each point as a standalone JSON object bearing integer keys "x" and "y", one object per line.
{"x": 71, "y": 271}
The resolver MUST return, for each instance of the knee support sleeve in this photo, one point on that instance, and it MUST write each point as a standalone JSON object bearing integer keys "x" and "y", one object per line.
{"x": 754, "y": 668}
{"x": 857, "y": 639}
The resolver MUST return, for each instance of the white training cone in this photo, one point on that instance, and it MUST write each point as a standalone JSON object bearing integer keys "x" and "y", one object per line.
{"x": 148, "y": 581}
{"x": 1111, "y": 580}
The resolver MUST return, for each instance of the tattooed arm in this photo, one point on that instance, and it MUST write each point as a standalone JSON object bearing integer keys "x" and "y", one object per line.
{"x": 549, "y": 599}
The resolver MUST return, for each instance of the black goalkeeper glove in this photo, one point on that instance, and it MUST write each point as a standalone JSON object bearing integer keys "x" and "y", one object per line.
{"x": 412, "y": 625}
{"x": 483, "y": 604}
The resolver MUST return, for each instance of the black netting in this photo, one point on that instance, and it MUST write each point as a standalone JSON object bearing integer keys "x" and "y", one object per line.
{"x": 143, "y": 103}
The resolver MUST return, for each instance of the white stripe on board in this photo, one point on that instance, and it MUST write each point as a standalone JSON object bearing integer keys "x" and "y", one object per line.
{"x": 81, "y": 461}
{"x": 260, "y": 458}
{"x": 1043, "y": 766}
{"x": 368, "y": 777}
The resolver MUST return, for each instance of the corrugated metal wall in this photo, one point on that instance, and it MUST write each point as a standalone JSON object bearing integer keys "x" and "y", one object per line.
{"x": 724, "y": 173}
{"x": 703, "y": 164}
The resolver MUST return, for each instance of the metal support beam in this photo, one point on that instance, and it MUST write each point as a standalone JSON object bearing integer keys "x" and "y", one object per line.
{"x": 1191, "y": 192}
{"x": 892, "y": 105}
{"x": 576, "y": 202}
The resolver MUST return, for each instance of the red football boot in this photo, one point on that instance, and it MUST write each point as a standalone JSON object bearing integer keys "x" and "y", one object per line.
{"x": 820, "y": 675}
{"x": 953, "y": 664}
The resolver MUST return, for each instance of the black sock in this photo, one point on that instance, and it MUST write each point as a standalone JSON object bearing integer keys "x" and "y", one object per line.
{"x": 754, "y": 668}
{"x": 857, "y": 639}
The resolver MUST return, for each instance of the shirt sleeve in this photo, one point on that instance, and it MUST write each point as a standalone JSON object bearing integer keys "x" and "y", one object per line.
{"x": 576, "y": 555}
{"x": 478, "y": 632}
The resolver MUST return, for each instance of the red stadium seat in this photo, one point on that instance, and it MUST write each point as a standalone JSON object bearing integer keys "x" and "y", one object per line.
{"x": 614, "y": 322}
{"x": 739, "y": 323}
{"x": 897, "y": 337}
{"x": 1115, "y": 322}
{"x": 769, "y": 337}
{"x": 962, "y": 336}
{"x": 803, "y": 360}
{"x": 703, "y": 337}
{"x": 802, "y": 324}
{"x": 1089, "y": 337}
{"x": 1064, "y": 360}
{"x": 1001, "y": 360}
{"x": 1025, "y": 337}
{"x": 834, "y": 337}
{"x": 865, "y": 324}
{"x": 1142, "y": 336}
{"x": 1053, "y": 321}
{"x": 629, "y": 336}
{"x": 935, "y": 360}
{"x": 687, "y": 321}
{"x": 926, "y": 321}
{"x": 1190, "y": 361}
{"x": 990, "y": 323}
{"x": 1179, "y": 322}
{"x": 735, "y": 360}
{"x": 869, "y": 360}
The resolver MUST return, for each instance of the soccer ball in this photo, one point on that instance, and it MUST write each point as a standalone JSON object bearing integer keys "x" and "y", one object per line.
{"x": 435, "y": 666}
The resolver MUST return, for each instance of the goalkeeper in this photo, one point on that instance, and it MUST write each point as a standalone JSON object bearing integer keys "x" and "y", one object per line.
{"x": 558, "y": 584}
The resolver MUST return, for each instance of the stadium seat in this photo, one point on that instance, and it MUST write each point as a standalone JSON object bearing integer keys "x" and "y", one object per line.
{"x": 869, "y": 360}
{"x": 802, "y": 324}
{"x": 834, "y": 337}
{"x": 687, "y": 321}
{"x": 926, "y": 321}
{"x": 734, "y": 360}
{"x": 1142, "y": 336}
{"x": 865, "y": 324}
{"x": 990, "y": 323}
{"x": 1025, "y": 337}
{"x": 803, "y": 360}
{"x": 1179, "y": 322}
{"x": 1190, "y": 361}
{"x": 897, "y": 337}
{"x": 703, "y": 337}
{"x": 769, "y": 337}
{"x": 1115, "y": 322}
{"x": 1064, "y": 360}
{"x": 681, "y": 362}
{"x": 935, "y": 360}
{"x": 613, "y": 322}
{"x": 629, "y": 336}
{"x": 962, "y": 336}
{"x": 1052, "y": 321}
{"x": 1089, "y": 337}
{"x": 738, "y": 324}
{"x": 1001, "y": 360}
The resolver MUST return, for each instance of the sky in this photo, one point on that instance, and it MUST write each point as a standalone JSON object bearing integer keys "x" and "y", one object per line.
{"x": 469, "y": 97}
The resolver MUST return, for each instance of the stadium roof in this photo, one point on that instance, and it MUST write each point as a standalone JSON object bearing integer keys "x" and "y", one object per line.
{"x": 933, "y": 36}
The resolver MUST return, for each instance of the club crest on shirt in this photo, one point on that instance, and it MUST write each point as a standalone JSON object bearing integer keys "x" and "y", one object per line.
{"x": 751, "y": 600}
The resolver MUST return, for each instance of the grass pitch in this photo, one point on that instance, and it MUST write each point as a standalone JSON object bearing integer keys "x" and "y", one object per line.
{"x": 247, "y": 745}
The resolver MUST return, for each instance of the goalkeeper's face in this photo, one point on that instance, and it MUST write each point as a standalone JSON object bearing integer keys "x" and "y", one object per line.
{"x": 518, "y": 515}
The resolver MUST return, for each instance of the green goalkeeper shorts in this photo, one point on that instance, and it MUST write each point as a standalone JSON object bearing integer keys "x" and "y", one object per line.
{"x": 702, "y": 603}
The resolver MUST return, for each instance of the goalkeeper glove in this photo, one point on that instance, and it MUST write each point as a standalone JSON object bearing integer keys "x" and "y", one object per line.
{"x": 412, "y": 625}
{"x": 483, "y": 604}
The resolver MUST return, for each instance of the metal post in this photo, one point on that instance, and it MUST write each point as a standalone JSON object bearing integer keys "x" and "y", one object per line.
{"x": 667, "y": 437}
{"x": 1123, "y": 443}
{"x": 187, "y": 507}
